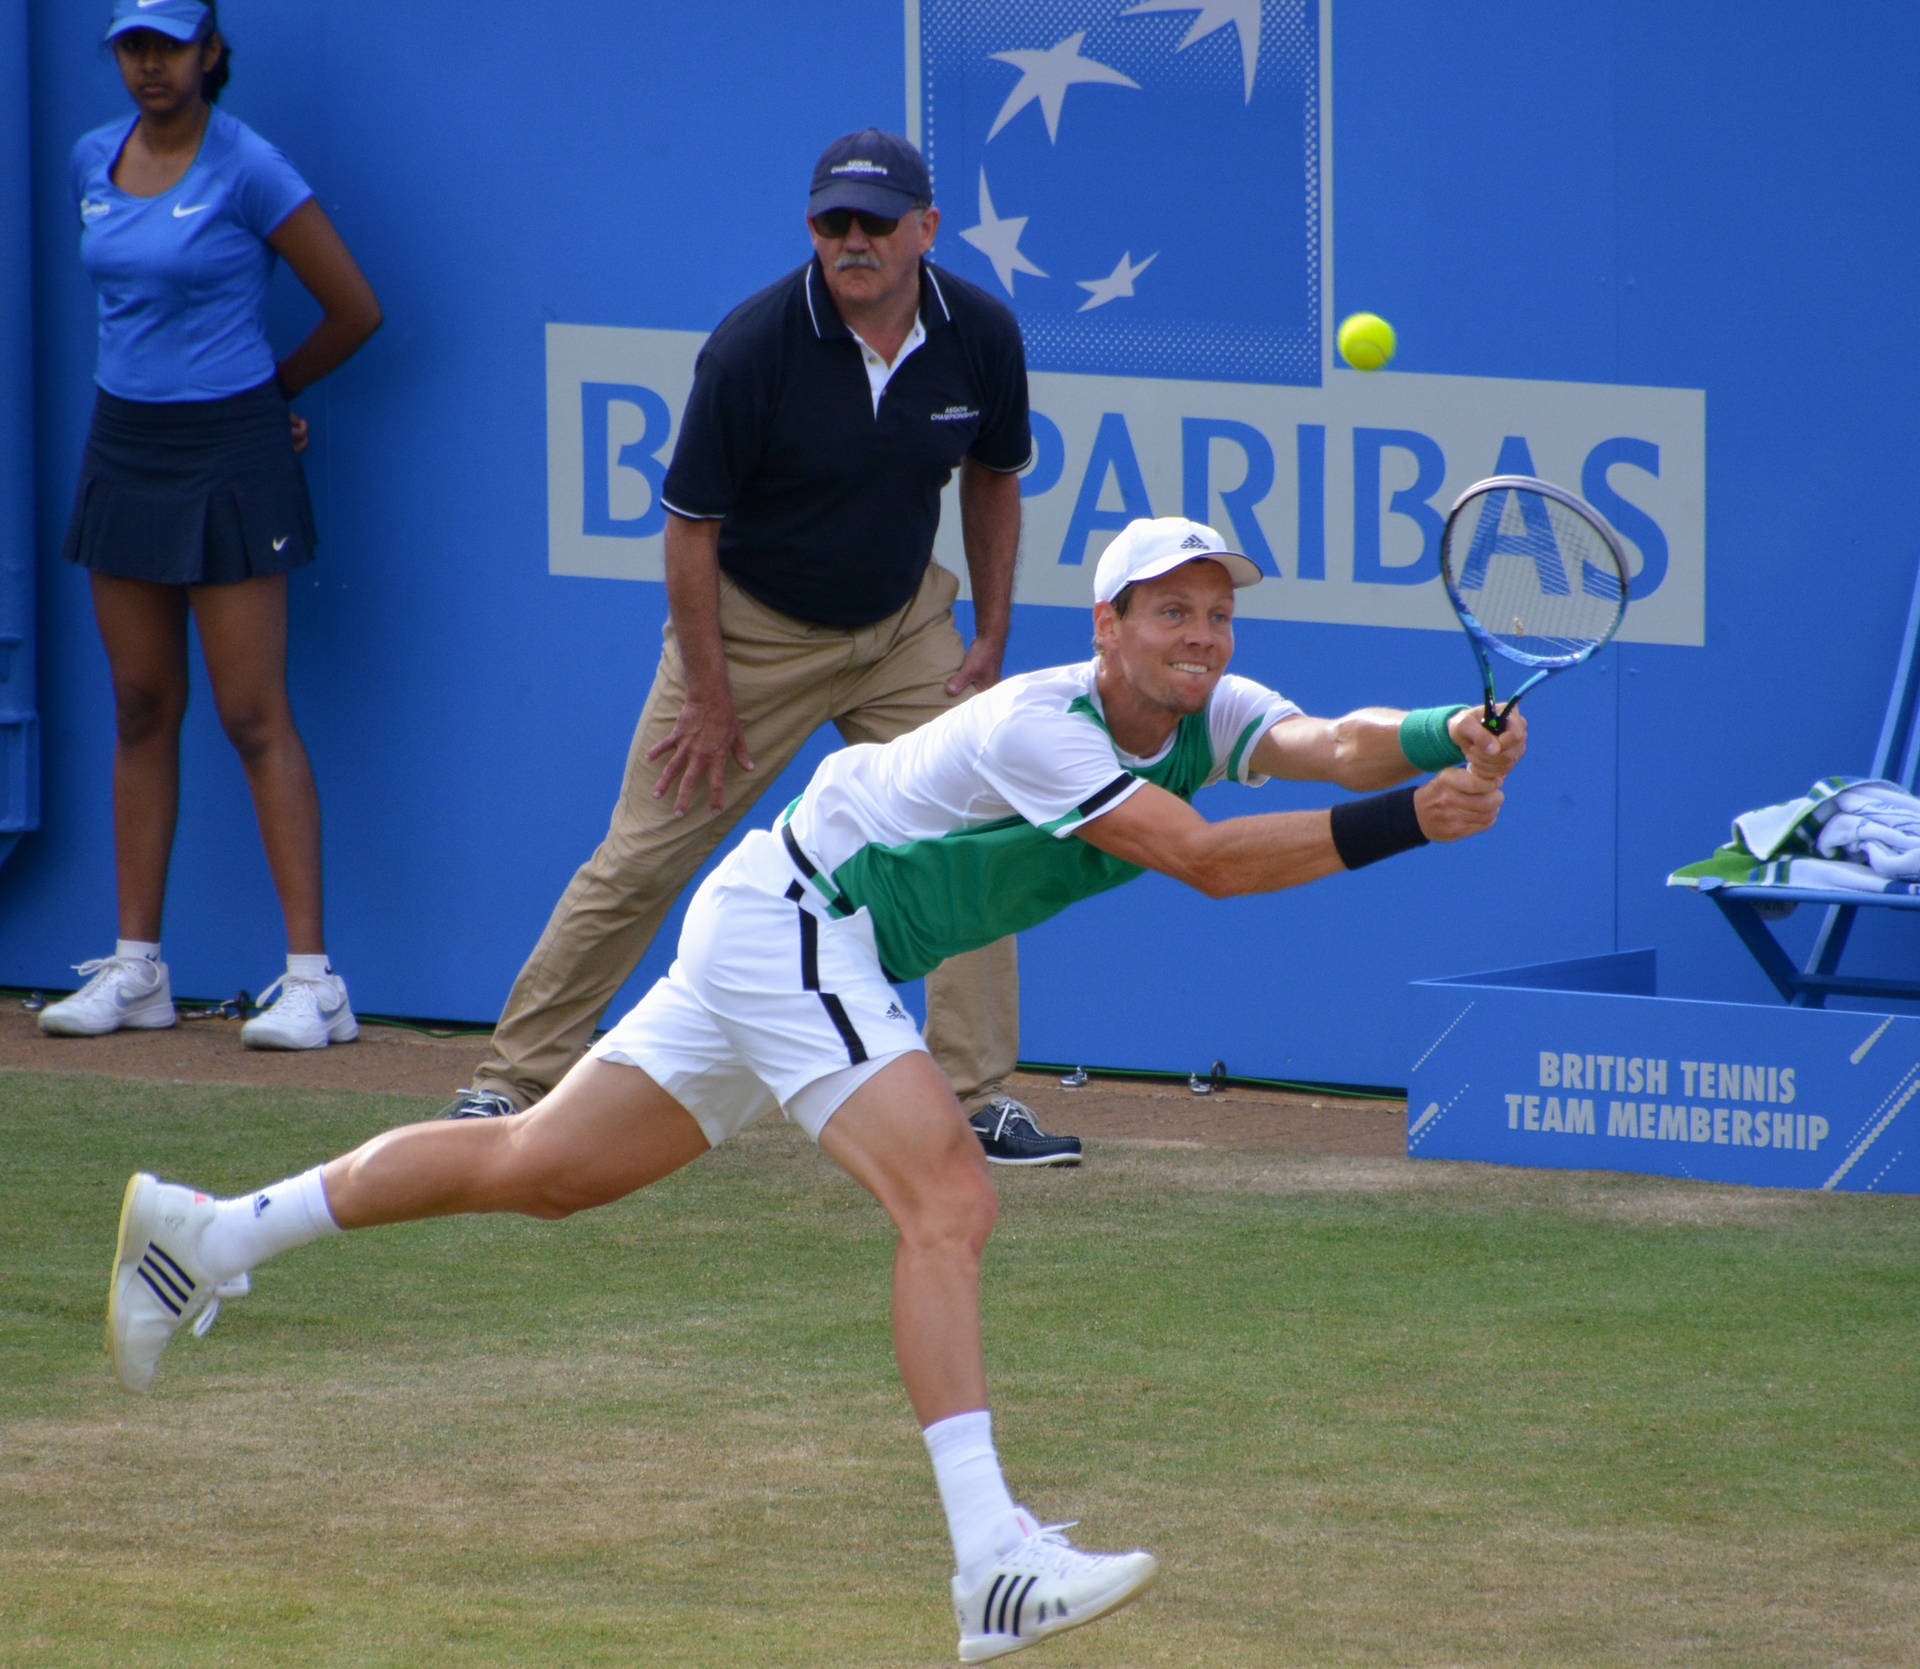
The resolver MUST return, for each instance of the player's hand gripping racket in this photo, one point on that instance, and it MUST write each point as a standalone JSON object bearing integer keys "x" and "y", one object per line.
{"x": 1535, "y": 576}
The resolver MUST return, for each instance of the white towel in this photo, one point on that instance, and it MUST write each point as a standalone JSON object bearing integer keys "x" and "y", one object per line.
{"x": 1877, "y": 824}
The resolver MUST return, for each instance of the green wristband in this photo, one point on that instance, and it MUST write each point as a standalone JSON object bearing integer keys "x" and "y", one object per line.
{"x": 1424, "y": 739}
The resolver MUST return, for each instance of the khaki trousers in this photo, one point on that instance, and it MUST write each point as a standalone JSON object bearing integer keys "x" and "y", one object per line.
{"x": 873, "y": 683}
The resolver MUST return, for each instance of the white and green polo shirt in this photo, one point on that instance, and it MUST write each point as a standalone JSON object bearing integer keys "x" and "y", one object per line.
{"x": 956, "y": 834}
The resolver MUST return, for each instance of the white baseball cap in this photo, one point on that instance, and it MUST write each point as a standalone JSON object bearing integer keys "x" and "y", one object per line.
{"x": 1149, "y": 547}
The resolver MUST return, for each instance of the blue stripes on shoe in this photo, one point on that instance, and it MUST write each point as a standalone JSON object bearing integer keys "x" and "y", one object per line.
{"x": 171, "y": 1284}
{"x": 1013, "y": 1603}
{"x": 1020, "y": 1605}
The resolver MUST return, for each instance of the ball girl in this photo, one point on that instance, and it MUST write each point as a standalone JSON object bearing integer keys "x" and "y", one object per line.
{"x": 192, "y": 501}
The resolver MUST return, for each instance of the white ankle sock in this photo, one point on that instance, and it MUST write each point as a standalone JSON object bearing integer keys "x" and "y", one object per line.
{"x": 150, "y": 950}
{"x": 253, "y": 1227}
{"x": 309, "y": 967}
{"x": 981, "y": 1516}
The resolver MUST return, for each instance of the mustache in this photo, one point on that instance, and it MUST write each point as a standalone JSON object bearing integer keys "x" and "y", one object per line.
{"x": 848, "y": 262}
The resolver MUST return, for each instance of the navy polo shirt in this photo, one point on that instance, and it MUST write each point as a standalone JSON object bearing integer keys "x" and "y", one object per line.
{"x": 828, "y": 507}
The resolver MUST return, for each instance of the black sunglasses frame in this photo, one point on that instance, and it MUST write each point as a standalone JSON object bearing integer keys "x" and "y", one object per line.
{"x": 836, "y": 223}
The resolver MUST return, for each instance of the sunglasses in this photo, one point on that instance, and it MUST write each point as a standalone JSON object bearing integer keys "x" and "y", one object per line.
{"x": 836, "y": 223}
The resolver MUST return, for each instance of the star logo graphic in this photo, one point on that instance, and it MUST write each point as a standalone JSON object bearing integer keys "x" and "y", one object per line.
{"x": 1046, "y": 76}
{"x": 1243, "y": 15}
{"x": 1116, "y": 284}
{"x": 1083, "y": 176}
{"x": 999, "y": 240}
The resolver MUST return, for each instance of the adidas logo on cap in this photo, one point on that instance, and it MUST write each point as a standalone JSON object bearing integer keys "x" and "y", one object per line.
{"x": 1150, "y": 546}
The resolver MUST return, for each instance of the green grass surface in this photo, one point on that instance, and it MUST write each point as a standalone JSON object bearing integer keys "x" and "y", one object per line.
{"x": 1365, "y": 1411}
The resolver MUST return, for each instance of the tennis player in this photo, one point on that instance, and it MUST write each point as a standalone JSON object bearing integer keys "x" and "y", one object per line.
{"x": 1045, "y": 789}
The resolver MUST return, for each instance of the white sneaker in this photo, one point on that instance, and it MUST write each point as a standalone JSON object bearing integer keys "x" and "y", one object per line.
{"x": 158, "y": 1286}
{"x": 124, "y": 991}
{"x": 1044, "y": 1586}
{"x": 310, "y": 1014}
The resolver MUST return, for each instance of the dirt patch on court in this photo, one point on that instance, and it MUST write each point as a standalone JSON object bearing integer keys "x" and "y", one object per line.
{"x": 393, "y": 1060}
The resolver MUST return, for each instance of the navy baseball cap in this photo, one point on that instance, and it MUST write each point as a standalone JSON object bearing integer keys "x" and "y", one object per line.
{"x": 877, "y": 172}
{"x": 181, "y": 19}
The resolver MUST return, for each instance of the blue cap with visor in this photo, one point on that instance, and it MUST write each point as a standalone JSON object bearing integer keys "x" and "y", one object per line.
{"x": 181, "y": 20}
{"x": 879, "y": 173}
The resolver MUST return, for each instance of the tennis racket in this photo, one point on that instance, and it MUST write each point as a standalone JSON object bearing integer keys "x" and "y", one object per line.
{"x": 1536, "y": 576}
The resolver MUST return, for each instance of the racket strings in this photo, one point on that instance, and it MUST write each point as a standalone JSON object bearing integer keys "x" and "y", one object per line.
{"x": 1533, "y": 575}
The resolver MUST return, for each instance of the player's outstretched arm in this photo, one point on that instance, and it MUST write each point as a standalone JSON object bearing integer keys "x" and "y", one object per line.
{"x": 1365, "y": 750}
{"x": 1276, "y": 850}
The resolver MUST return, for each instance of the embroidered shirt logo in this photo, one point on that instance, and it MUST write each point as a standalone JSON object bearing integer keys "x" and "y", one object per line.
{"x": 896, "y": 1012}
{"x": 91, "y": 209}
{"x": 955, "y": 414}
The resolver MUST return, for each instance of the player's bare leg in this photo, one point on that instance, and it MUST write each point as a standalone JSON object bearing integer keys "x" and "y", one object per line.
{"x": 903, "y": 1137}
{"x": 605, "y": 1131}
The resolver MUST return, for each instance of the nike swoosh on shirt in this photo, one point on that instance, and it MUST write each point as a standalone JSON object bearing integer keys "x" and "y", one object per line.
{"x": 144, "y": 4}
{"x": 181, "y": 210}
{"x": 280, "y": 544}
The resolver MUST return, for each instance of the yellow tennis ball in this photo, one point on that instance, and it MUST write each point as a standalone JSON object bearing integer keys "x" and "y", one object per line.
{"x": 1365, "y": 341}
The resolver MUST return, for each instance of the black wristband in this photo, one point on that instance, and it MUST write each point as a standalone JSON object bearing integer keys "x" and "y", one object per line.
{"x": 1365, "y": 831}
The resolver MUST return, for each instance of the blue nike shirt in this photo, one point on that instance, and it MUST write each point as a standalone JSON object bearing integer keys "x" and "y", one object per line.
{"x": 182, "y": 277}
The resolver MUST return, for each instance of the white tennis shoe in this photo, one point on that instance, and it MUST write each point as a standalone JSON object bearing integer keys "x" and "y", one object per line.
{"x": 123, "y": 992}
{"x": 158, "y": 1284}
{"x": 310, "y": 1014}
{"x": 1044, "y": 1586}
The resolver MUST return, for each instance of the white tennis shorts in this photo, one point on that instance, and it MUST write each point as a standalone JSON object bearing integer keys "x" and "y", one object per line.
{"x": 770, "y": 1003}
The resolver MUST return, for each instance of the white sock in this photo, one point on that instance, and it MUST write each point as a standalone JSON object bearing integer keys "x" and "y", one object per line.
{"x": 981, "y": 1516}
{"x": 254, "y": 1227}
{"x": 137, "y": 947}
{"x": 308, "y": 967}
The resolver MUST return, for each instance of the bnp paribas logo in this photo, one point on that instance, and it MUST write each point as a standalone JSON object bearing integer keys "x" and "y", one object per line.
{"x": 1138, "y": 178}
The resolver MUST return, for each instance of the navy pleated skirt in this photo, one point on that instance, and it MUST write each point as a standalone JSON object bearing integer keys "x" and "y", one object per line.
{"x": 191, "y": 492}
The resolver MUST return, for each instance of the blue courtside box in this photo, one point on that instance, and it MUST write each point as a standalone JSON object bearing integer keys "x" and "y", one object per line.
{"x": 1579, "y": 1066}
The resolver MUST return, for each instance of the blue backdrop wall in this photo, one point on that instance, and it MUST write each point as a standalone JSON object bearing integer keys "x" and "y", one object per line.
{"x": 19, "y": 723}
{"x": 1586, "y": 243}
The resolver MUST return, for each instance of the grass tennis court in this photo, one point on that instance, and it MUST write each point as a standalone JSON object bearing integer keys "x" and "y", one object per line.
{"x": 1365, "y": 1412}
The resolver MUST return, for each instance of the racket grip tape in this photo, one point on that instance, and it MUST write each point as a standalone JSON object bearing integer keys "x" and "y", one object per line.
{"x": 1379, "y": 826}
{"x": 1424, "y": 739}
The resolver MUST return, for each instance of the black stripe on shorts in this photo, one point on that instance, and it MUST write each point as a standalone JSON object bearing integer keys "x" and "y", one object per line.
{"x": 810, "y": 980}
